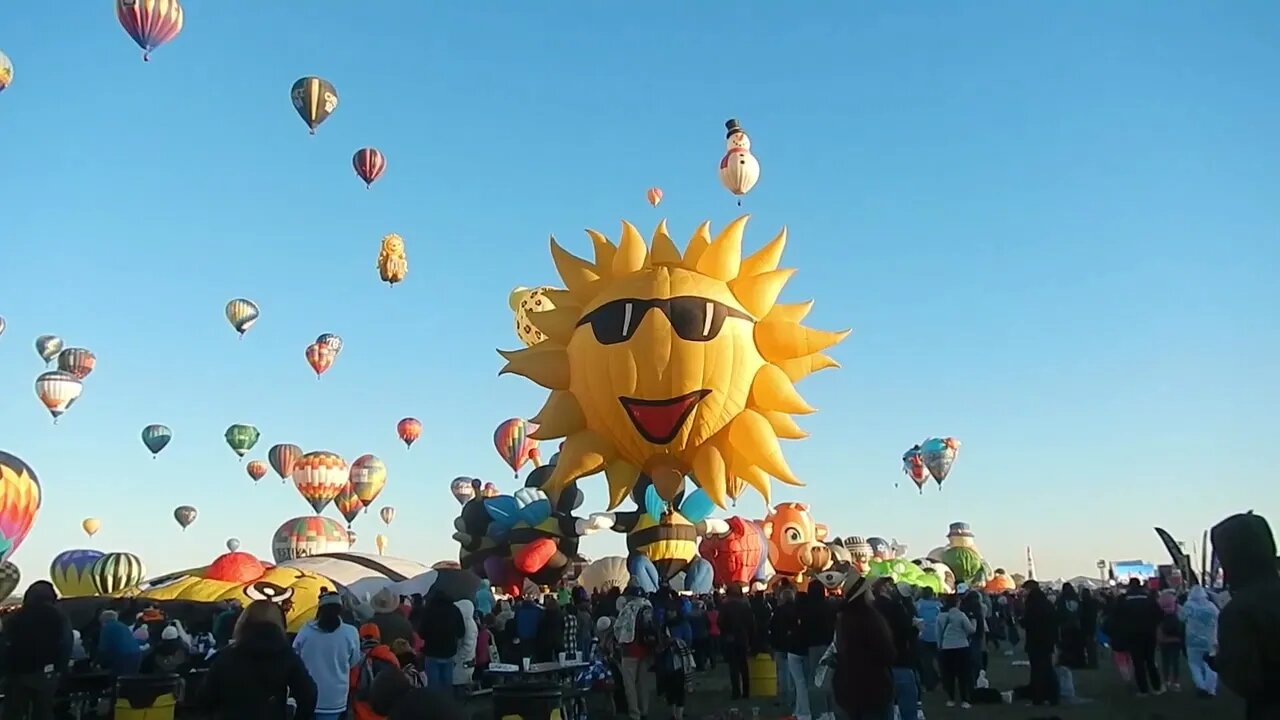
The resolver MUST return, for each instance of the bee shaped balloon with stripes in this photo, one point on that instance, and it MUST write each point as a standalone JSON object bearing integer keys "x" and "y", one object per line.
{"x": 662, "y": 537}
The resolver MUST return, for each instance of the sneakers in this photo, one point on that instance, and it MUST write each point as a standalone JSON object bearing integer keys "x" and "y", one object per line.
{"x": 965, "y": 706}
{"x": 951, "y": 703}
{"x": 1158, "y": 691}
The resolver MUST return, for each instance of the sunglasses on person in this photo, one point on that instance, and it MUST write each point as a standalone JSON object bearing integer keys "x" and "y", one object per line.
{"x": 695, "y": 319}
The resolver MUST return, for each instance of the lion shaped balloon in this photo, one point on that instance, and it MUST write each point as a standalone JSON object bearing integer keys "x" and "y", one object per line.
{"x": 668, "y": 364}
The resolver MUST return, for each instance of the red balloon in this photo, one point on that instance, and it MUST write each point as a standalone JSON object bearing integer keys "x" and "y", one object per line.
{"x": 369, "y": 164}
{"x": 735, "y": 557}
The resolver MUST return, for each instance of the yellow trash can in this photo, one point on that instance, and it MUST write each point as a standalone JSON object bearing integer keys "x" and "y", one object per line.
{"x": 146, "y": 697}
{"x": 764, "y": 676}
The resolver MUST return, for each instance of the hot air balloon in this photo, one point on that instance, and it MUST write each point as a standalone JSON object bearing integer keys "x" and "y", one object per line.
{"x": 464, "y": 489}
{"x": 393, "y": 263}
{"x": 70, "y": 572}
{"x": 387, "y": 514}
{"x": 368, "y": 477}
{"x": 242, "y": 314}
{"x": 242, "y": 438}
{"x": 10, "y": 575}
{"x": 315, "y": 99}
{"x": 116, "y": 572}
{"x": 151, "y": 23}
{"x": 282, "y": 457}
{"x": 333, "y": 341}
{"x": 348, "y": 504}
{"x": 77, "y": 361}
{"x": 185, "y": 515}
{"x": 307, "y": 536}
{"x": 409, "y": 429}
{"x": 939, "y": 454}
{"x": 654, "y": 195}
{"x": 513, "y": 443}
{"x": 3, "y": 325}
{"x": 156, "y": 438}
{"x": 489, "y": 490}
{"x": 739, "y": 169}
{"x": 91, "y": 526}
{"x": 369, "y": 164}
{"x": 48, "y": 347}
{"x": 6, "y": 77}
{"x": 233, "y": 544}
{"x": 913, "y": 465}
{"x": 320, "y": 358}
{"x": 20, "y": 497}
{"x": 381, "y": 542}
{"x": 525, "y": 302}
{"x": 605, "y": 574}
{"x": 351, "y": 536}
{"x": 58, "y": 391}
{"x": 256, "y": 469}
{"x": 319, "y": 477}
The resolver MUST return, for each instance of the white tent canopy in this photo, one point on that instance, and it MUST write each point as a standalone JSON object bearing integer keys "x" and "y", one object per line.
{"x": 360, "y": 574}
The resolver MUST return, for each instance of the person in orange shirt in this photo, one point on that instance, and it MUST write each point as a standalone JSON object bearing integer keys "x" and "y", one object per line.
{"x": 378, "y": 658}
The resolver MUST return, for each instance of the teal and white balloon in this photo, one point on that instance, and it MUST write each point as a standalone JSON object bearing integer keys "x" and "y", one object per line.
{"x": 156, "y": 438}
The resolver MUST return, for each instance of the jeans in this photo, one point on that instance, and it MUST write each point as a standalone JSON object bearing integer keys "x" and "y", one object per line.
{"x": 30, "y": 697}
{"x": 330, "y": 716}
{"x": 822, "y": 700}
{"x": 786, "y": 697}
{"x": 906, "y": 692}
{"x": 798, "y": 666}
{"x": 439, "y": 672}
{"x": 927, "y": 657}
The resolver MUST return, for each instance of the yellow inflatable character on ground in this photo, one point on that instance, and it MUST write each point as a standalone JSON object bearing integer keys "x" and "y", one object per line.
{"x": 393, "y": 264}
{"x": 669, "y": 364}
{"x": 240, "y": 576}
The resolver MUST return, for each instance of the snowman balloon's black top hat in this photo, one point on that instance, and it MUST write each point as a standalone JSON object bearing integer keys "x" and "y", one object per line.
{"x": 733, "y": 127}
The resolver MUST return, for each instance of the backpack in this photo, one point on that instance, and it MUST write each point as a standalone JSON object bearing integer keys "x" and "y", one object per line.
{"x": 370, "y": 668}
{"x": 629, "y": 621}
{"x": 416, "y": 678}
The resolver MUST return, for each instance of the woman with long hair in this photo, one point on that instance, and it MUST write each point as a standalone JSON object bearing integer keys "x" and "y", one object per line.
{"x": 254, "y": 676}
{"x": 864, "y": 655}
{"x": 329, "y": 648}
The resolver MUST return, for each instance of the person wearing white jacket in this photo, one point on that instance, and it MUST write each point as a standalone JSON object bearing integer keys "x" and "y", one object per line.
{"x": 954, "y": 630}
{"x": 1200, "y": 616}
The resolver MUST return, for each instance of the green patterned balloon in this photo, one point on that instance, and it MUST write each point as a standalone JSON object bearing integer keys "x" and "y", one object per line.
{"x": 242, "y": 438}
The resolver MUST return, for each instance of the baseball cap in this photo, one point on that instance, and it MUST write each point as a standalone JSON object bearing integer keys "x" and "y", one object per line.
{"x": 369, "y": 631}
{"x": 330, "y": 598}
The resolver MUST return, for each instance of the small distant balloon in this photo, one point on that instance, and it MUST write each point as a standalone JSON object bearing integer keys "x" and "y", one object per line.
{"x": 739, "y": 169}
{"x": 256, "y": 469}
{"x": 387, "y": 514}
{"x": 913, "y": 465}
{"x": 315, "y": 99}
{"x": 282, "y": 457}
{"x": 369, "y": 164}
{"x": 511, "y": 440}
{"x": 91, "y": 526}
{"x": 241, "y": 438}
{"x": 3, "y": 325}
{"x": 242, "y": 314}
{"x": 58, "y": 391}
{"x": 409, "y": 429}
{"x": 156, "y": 438}
{"x": 77, "y": 361}
{"x": 48, "y": 347}
{"x": 333, "y": 341}
{"x": 6, "y": 77}
{"x": 939, "y": 454}
{"x": 151, "y": 23}
{"x": 233, "y": 544}
{"x": 463, "y": 489}
{"x": 381, "y": 542}
{"x": 351, "y": 537}
{"x": 654, "y": 196}
{"x": 185, "y": 515}
{"x": 320, "y": 357}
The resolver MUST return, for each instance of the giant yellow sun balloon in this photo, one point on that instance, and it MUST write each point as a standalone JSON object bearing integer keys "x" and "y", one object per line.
{"x": 671, "y": 364}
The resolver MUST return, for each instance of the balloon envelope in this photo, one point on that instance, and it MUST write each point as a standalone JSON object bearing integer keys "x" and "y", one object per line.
{"x": 282, "y": 458}
{"x": 6, "y": 77}
{"x": 242, "y": 314}
{"x": 116, "y": 572}
{"x": 307, "y": 536}
{"x": 369, "y": 164}
{"x": 185, "y": 515}
{"x": 233, "y": 544}
{"x": 241, "y": 438}
{"x": 368, "y": 477}
{"x": 77, "y": 361}
{"x": 10, "y": 576}
{"x": 409, "y": 430}
{"x": 319, "y": 477}
{"x": 91, "y": 526}
{"x": 315, "y": 99}
{"x": 20, "y": 498}
{"x": 387, "y": 514}
{"x": 151, "y": 23}
{"x": 156, "y": 438}
{"x": 48, "y": 347}
{"x": 70, "y": 572}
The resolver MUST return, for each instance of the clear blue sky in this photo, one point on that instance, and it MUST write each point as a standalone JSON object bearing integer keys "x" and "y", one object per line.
{"x": 1055, "y": 230}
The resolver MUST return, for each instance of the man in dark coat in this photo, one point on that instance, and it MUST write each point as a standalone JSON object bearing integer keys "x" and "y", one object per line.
{"x": 37, "y": 652}
{"x": 737, "y": 630}
{"x": 1248, "y": 659}
{"x": 441, "y": 630}
{"x": 1136, "y": 618}
{"x": 1040, "y": 621}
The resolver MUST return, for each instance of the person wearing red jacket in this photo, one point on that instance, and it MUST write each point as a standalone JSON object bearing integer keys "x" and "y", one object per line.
{"x": 378, "y": 658}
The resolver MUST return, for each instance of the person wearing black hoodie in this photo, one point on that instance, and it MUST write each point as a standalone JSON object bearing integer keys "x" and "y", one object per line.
{"x": 253, "y": 678}
{"x": 441, "y": 630}
{"x": 37, "y": 652}
{"x": 1040, "y": 621}
{"x": 787, "y": 639}
{"x": 893, "y": 607}
{"x": 1136, "y": 618}
{"x": 1248, "y": 659}
{"x": 818, "y": 628}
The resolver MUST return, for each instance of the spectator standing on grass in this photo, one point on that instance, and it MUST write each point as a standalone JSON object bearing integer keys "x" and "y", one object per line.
{"x": 737, "y": 634}
{"x": 1089, "y": 627}
{"x": 894, "y": 607}
{"x": 927, "y": 610}
{"x": 955, "y": 628}
{"x": 1137, "y": 616}
{"x": 1200, "y": 631}
{"x": 817, "y": 629}
{"x": 253, "y": 677}
{"x": 1040, "y": 623}
{"x": 1169, "y": 635}
{"x": 329, "y": 648}
{"x": 1248, "y": 658}
{"x": 634, "y": 633}
{"x": 441, "y": 631}
{"x": 864, "y": 650}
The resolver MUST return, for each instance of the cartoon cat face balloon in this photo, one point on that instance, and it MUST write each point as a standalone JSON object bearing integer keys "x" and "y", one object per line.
{"x": 671, "y": 364}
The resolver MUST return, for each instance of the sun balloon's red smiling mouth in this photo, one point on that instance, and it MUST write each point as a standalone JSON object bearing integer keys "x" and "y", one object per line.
{"x": 659, "y": 421}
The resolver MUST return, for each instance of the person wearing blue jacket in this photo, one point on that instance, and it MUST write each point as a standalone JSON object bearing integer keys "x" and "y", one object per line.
{"x": 927, "y": 610}
{"x": 118, "y": 651}
{"x": 329, "y": 649}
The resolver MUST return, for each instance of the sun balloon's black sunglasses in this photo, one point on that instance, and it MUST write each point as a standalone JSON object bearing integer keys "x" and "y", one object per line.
{"x": 696, "y": 319}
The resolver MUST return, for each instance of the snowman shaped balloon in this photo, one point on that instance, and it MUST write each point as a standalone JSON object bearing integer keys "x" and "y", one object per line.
{"x": 739, "y": 169}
